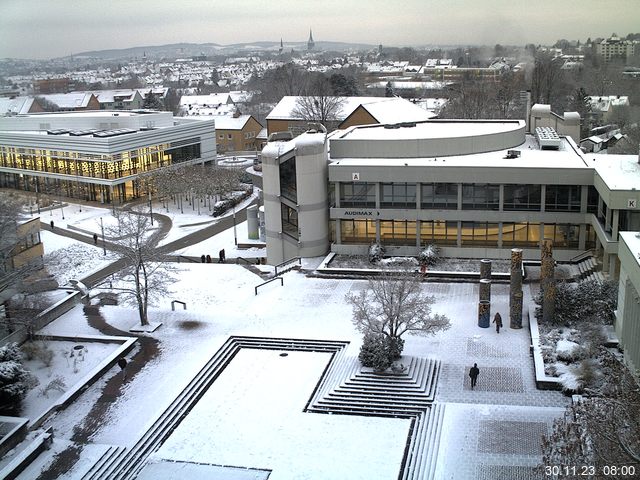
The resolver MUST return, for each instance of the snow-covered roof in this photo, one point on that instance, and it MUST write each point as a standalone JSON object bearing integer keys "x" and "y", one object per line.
{"x": 207, "y": 100}
{"x": 228, "y": 122}
{"x": 604, "y": 103}
{"x": 618, "y": 172}
{"x": 394, "y": 106}
{"x": 632, "y": 240}
{"x": 397, "y": 110}
{"x": 16, "y": 105}
{"x": 69, "y": 100}
{"x": 110, "y": 96}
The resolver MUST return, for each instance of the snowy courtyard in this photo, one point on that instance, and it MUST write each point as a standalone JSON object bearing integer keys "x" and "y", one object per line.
{"x": 251, "y": 421}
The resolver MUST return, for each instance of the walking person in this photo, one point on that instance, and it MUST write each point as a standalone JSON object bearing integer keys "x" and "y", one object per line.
{"x": 498, "y": 321}
{"x": 51, "y": 223}
{"x": 473, "y": 373}
{"x": 95, "y": 239}
{"x": 224, "y": 255}
{"x": 221, "y": 256}
{"x": 122, "y": 363}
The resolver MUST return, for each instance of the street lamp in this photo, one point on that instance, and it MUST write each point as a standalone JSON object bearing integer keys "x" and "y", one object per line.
{"x": 104, "y": 248}
{"x": 150, "y": 208}
{"x": 235, "y": 236}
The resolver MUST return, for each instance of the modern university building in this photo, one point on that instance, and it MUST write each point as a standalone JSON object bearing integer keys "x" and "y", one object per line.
{"x": 475, "y": 188}
{"x": 97, "y": 155}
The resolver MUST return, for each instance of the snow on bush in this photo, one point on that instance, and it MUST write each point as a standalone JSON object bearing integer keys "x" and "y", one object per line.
{"x": 568, "y": 376}
{"x": 376, "y": 252}
{"x": 399, "y": 261}
{"x": 15, "y": 381}
{"x": 430, "y": 255}
{"x": 568, "y": 351}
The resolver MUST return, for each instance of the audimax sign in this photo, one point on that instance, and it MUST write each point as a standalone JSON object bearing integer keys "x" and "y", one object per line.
{"x": 361, "y": 213}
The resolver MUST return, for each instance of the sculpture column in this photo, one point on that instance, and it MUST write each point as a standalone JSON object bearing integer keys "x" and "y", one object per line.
{"x": 547, "y": 280}
{"x": 484, "y": 304}
{"x": 515, "y": 289}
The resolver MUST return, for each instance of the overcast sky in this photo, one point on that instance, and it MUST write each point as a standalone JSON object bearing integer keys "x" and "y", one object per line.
{"x": 54, "y": 28}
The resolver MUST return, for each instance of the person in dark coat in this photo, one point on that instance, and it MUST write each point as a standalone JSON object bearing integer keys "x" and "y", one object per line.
{"x": 473, "y": 373}
{"x": 498, "y": 321}
{"x": 51, "y": 223}
{"x": 224, "y": 255}
{"x": 95, "y": 239}
{"x": 122, "y": 363}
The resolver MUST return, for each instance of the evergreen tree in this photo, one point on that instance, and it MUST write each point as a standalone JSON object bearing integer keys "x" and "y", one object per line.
{"x": 14, "y": 379}
{"x": 152, "y": 102}
{"x": 388, "y": 90}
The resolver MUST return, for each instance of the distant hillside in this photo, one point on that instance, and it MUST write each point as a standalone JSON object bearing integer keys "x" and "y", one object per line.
{"x": 176, "y": 50}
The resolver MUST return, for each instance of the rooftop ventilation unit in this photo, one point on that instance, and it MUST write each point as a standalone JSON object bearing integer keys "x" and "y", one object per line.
{"x": 82, "y": 133}
{"x": 59, "y": 131}
{"x": 513, "y": 154}
{"x": 547, "y": 138}
{"x": 281, "y": 137}
{"x": 114, "y": 133}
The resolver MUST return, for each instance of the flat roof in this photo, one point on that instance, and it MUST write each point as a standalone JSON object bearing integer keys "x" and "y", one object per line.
{"x": 530, "y": 157}
{"x": 618, "y": 172}
{"x": 632, "y": 239}
{"x": 431, "y": 130}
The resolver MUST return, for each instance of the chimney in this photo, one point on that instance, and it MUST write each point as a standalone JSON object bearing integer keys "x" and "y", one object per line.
{"x": 528, "y": 113}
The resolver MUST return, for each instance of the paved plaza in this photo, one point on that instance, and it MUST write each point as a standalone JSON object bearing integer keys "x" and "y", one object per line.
{"x": 490, "y": 432}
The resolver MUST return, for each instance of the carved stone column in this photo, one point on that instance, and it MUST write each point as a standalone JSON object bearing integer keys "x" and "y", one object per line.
{"x": 547, "y": 280}
{"x": 485, "y": 289}
{"x": 515, "y": 290}
{"x": 484, "y": 314}
{"x": 485, "y": 268}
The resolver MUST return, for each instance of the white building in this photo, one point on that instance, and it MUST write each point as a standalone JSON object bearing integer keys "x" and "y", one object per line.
{"x": 474, "y": 188}
{"x": 97, "y": 155}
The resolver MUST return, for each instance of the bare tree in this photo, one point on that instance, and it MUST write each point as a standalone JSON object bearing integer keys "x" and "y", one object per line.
{"x": 319, "y": 104}
{"x": 11, "y": 274}
{"x": 394, "y": 305}
{"x": 546, "y": 78}
{"x": 146, "y": 276}
{"x": 603, "y": 428}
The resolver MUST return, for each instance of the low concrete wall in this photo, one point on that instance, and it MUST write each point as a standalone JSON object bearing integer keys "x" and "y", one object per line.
{"x": 543, "y": 382}
{"x": 16, "y": 432}
{"x": 127, "y": 343}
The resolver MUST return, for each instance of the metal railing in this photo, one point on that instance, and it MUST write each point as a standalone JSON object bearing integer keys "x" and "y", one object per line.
{"x": 268, "y": 281}
{"x": 287, "y": 265}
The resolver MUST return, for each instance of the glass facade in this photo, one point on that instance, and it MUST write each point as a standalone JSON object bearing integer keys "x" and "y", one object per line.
{"x": 479, "y": 234}
{"x": 443, "y": 196}
{"x": 398, "y": 195}
{"x": 357, "y": 231}
{"x": 522, "y": 197}
{"x": 288, "y": 182}
{"x": 526, "y": 235}
{"x": 562, "y": 198}
{"x": 289, "y": 220}
{"x": 398, "y": 232}
{"x": 106, "y": 167}
{"x": 439, "y": 232}
{"x": 563, "y": 235}
{"x": 480, "y": 196}
{"x": 358, "y": 194}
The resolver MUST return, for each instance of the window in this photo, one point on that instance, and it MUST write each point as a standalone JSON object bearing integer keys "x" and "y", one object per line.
{"x": 563, "y": 235}
{"x": 398, "y": 195}
{"x": 592, "y": 199}
{"x": 562, "y": 198}
{"x": 289, "y": 220}
{"x": 439, "y": 196}
{"x": 398, "y": 232}
{"x": 229, "y": 136}
{"x": 439, "y": 232}
{"x": 521, "y": 235}
{"x": 358, "y": 194}
{"x": 479, "y": 234}
{"x": 288, "y": 183}
{"x": 522, "y": 197}
{"x": 480, "y": 196}
{"x": 358, "y": 231}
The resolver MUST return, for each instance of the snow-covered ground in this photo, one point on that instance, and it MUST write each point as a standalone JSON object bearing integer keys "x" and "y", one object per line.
{"x": 253, "y": 416}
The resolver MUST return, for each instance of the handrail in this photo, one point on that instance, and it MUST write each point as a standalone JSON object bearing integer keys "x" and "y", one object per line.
{"x": 582, "y": 256}
{"x": 269, "y": 281}
{"x": 244, "y": 260}
{"x": 187, "y": 258}
{"x": 287, "y": 262}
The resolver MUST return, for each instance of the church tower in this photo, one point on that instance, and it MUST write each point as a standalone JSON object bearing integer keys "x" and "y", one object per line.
{"x": 310, "y": 42}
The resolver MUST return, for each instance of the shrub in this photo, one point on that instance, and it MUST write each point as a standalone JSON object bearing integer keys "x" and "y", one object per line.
{"x": 38, "y": 350}
{"x": 14, "y": 380}
{"x": 430, "y": 255}
{"x": 57, "y": 383}
{"x": 395, "y": 345}
{"x": 376, "y": 252}
{"x": 374, "y": 352}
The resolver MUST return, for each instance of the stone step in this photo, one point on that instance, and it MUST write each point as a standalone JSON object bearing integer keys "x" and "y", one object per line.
{"x": 105, "y": 464}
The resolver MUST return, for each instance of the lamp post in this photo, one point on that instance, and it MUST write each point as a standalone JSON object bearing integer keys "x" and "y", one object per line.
{"x": 104, "y": 248}
{"x": 235, "y": 236}
{"x": 150, "y": 208}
